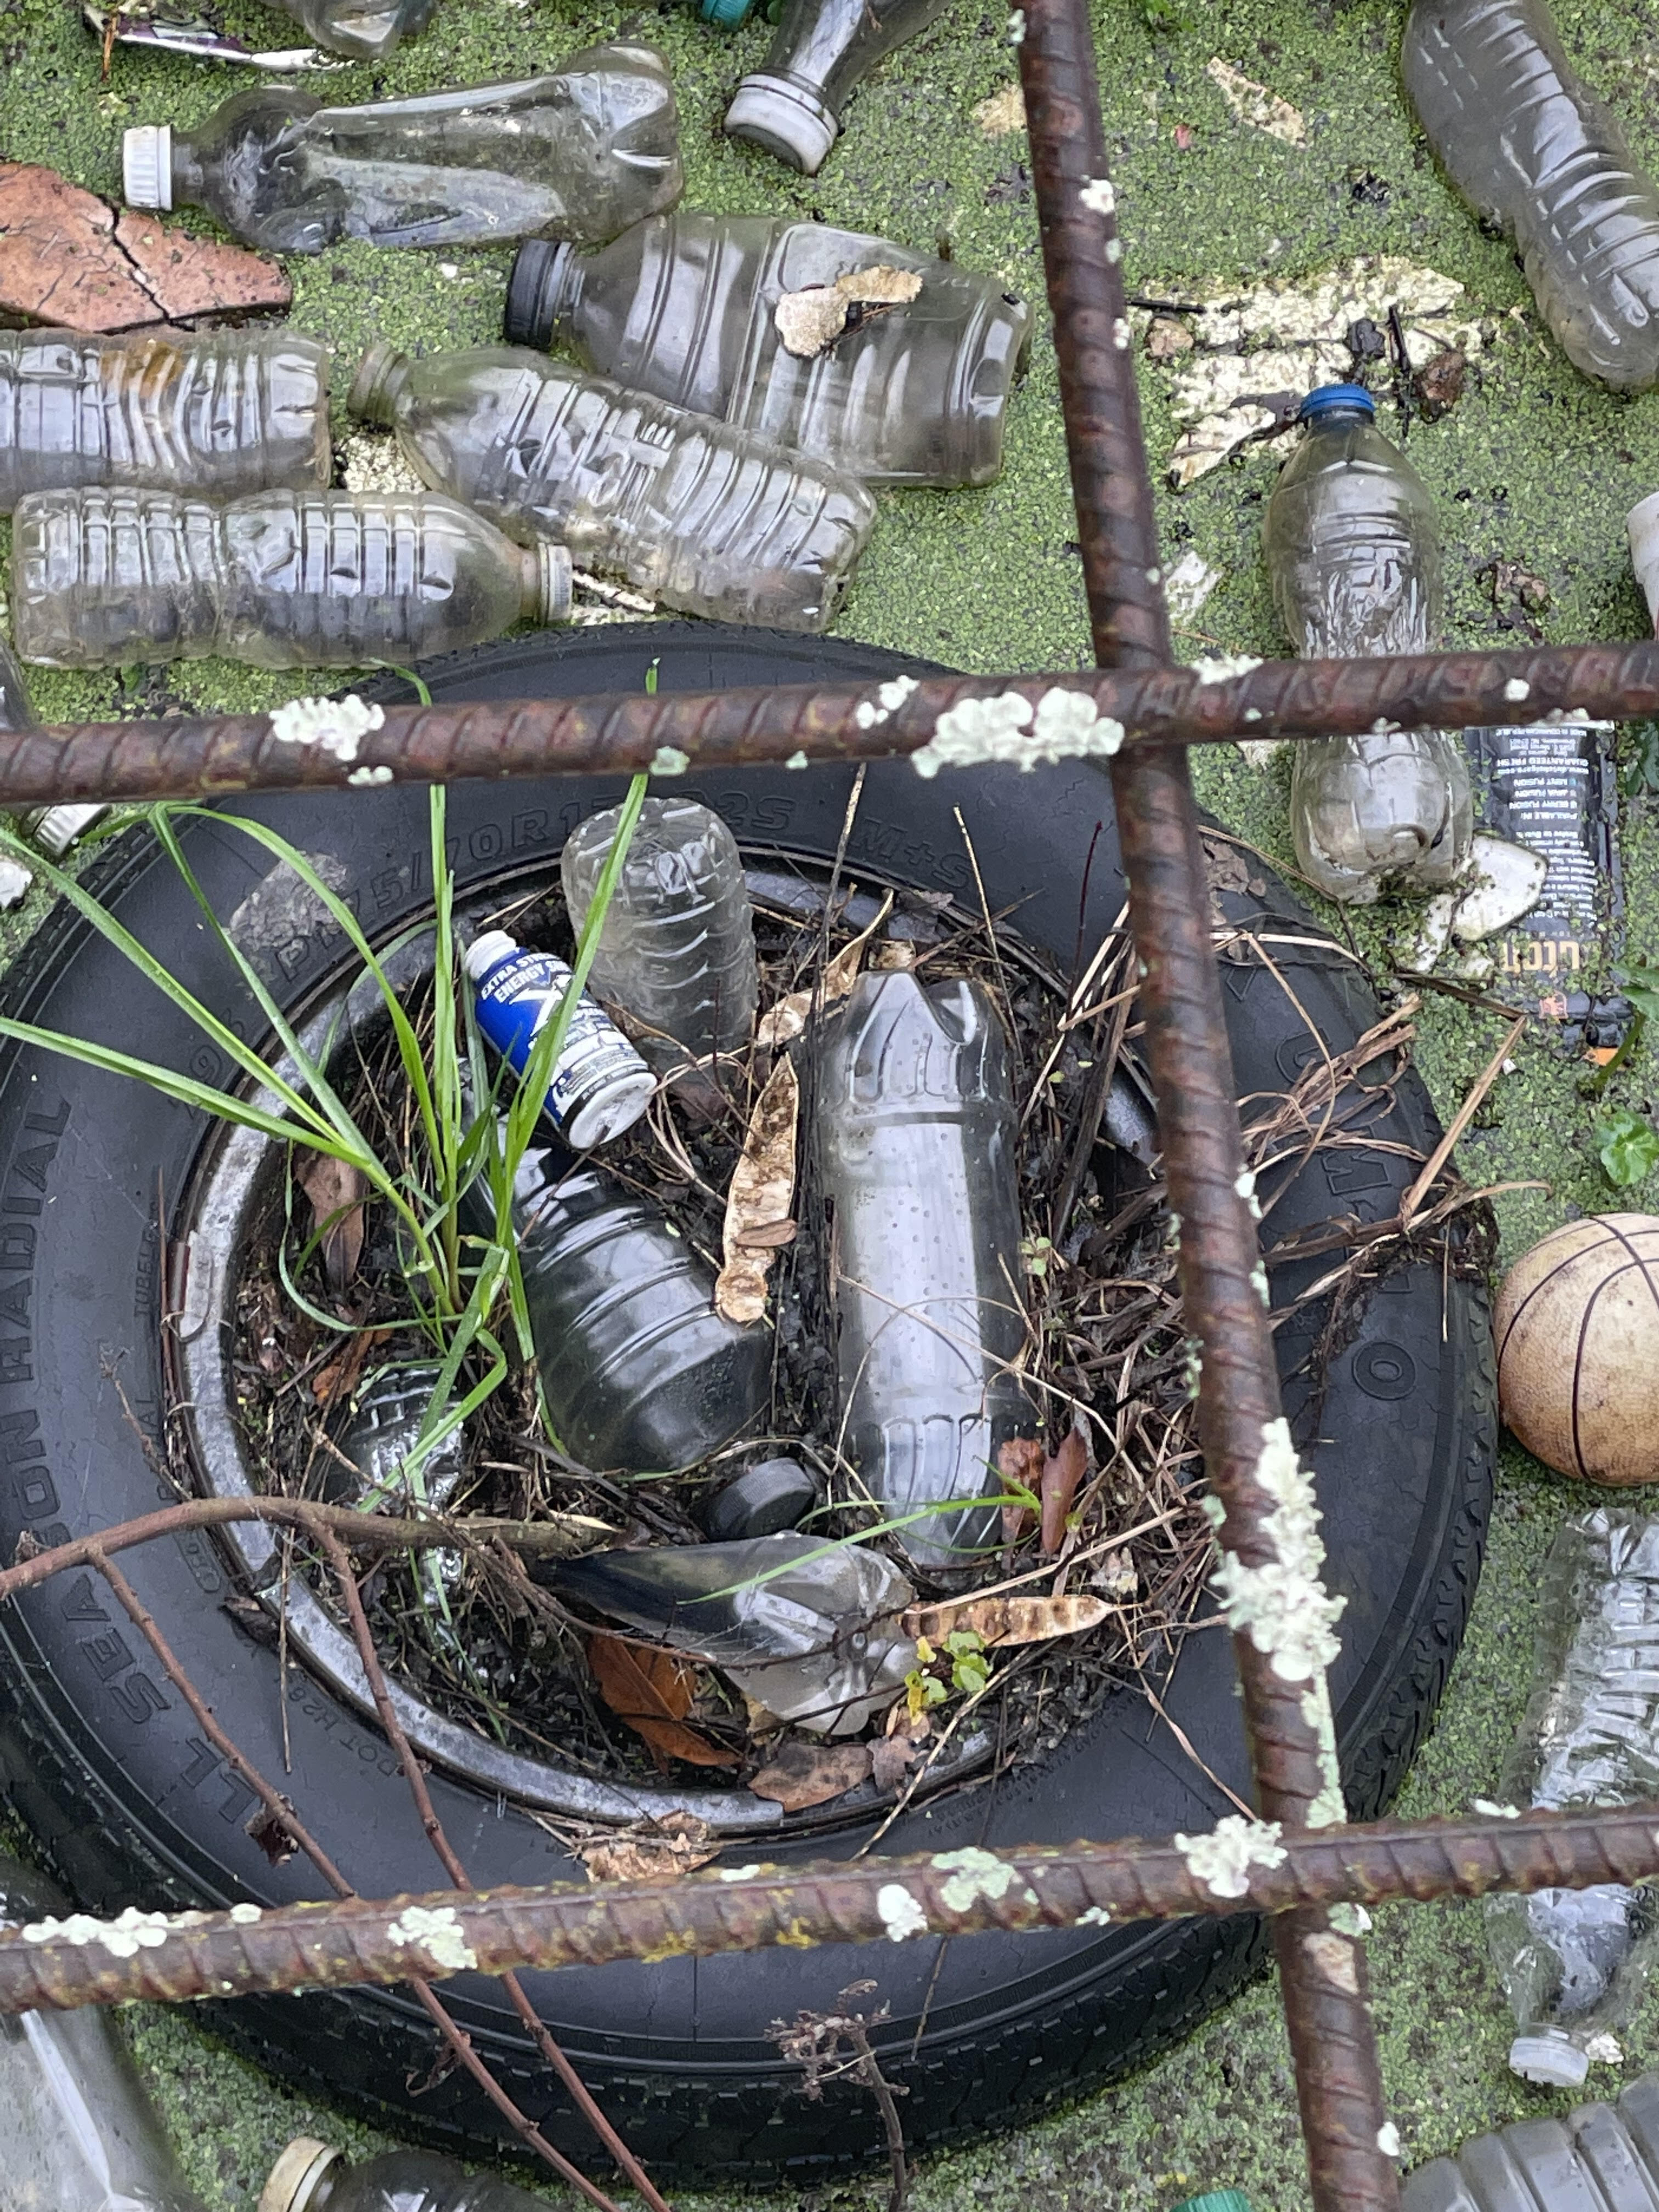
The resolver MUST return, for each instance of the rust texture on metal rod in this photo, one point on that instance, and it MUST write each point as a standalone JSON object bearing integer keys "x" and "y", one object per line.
{"x": 191, "y": 757}
{"x": 64, "y": 1964}
{"x": 1323, "y": 1970}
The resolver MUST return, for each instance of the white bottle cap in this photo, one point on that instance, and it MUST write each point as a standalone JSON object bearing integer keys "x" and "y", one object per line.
{"x": 55, "y": 829}
{"x": 484, "y": 952}
{"x": 609, "y": 1111}
{"x": 784, "y": 119}
{"x": 1643, "y": 525}
{"x": 292, "y": 2182}
{"x": 146, "y": 166}
{"x": 1550, "y": 2055}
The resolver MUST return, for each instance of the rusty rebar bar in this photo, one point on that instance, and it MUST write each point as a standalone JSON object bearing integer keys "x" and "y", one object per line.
{"x": 61, "y": 1965}
{"x": 1224, "y": 1290}
{"x": 209, "y": 756}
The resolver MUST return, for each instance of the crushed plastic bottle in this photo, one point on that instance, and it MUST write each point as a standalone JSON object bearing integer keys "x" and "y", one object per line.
{"x": 822, "y": 48}
{"x": 1599, "y": 2158}
{"x": 77, "y": 2133}
{"x": 582, "y": 152}
{"x": 638, "y": 1369}
{"x": 367, "y": 30}
{"x": 1573, "y": 1963}
{"x": 676, "y": 951}
{"x": 915, "y": 1127}
{"x": 701, "y": 516}
{"x": 311, "y": 2176}
{"x": 599, "y": 1086}
{"x": 1532, "y": 148}
{"x": 815, "y": 1642}
{"x": 1354, "y": 557}
{"x": 106, "y": 577}
{"x": 213, "y": 412}
{"x": 378, "y": 1437}
{"x": 684, "y": 307}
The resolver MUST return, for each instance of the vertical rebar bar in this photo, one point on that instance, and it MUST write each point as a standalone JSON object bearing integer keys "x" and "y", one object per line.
{"x": 1338, "y": 2081}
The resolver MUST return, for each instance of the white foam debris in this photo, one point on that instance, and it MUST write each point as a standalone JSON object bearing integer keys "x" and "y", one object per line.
{"x": 438, "y": 1932}
{"x": 1254, "y": 104}
{"x": 1281, "y": 338}
{"x": 15, "y": 881}
{"x": 1505, "y": 880}
{"x": 335, "y": 727}
{"x": 1283, "y": 1605}
{"x": 899, "y": 1913}
{"x": 1604, "y": 2049}
{"x": 1189, "y": 583}
{"x": 1222, "y": 1860}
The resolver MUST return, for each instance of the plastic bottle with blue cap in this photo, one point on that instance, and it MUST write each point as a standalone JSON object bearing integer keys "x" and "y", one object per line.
{"x": 1354, "y": 556}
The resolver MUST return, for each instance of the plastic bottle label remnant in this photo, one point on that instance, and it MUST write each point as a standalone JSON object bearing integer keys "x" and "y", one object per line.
{"x": 599, "y": 1086}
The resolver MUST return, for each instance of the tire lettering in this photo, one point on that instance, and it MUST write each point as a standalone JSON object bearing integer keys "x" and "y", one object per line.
{"x": 138, "y": 1698}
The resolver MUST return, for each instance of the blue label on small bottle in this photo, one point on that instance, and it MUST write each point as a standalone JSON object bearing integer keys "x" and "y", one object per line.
{"x": 512, "y": 1001}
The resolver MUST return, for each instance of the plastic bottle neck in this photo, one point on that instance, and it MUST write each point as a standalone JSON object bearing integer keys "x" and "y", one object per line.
{"x": 547, "y": 582}
{"x": 544, "y": 292}
{"x": 382, "y": 377}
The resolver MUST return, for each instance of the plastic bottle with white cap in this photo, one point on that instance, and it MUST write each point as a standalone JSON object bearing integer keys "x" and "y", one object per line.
{"x": 599, "y": 1086}
{"x": 1354, "y": 553}
{"x": 579, "y": 153}
{"x": 311, "y": 2176}
{"x": 1597, "y": 2158}
{"x": 792, "y": 105}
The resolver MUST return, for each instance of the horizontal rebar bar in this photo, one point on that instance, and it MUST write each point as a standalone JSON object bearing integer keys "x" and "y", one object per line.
{"x": 80, "y": 1960}
{"x": 189, "y": 757}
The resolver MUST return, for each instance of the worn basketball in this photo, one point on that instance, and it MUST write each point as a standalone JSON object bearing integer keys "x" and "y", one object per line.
{"x": 1577, "y": 1329}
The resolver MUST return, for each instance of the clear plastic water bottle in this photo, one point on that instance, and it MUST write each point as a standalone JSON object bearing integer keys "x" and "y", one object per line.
{"x": 638, "y": 1368}
{"x": 311, "y": 2177}
{"x": 599, "y": 1086}
{"x": 677, "y": 951}
{"x": 582, "y": 152}
{"x": 822, "y": 48}
{"x": 77, "y": 2133}
{"x": 683, "y": 306}
{"x": 1600, "y": 2158}
{"x": 915, "y": 1130}
{"x": 701, "y": 516}
{"x": 1354, "y": 556}
{"x": 1574, "y": 1962}
{"x": 16, "y": 707}
{"x": 1531, "y": 147}
{"x": 378, "y": 1437}
{"x": 811, "y": 1634}
{"x": 106, "y": 577}
{"x": 367, "y": 30}
{"x": 213, "y": 412}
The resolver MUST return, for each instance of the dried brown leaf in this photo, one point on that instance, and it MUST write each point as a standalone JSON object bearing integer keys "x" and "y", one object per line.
{"x": 651, "y": 1690}
{"x": 1060, "y": 1476}
{"x": 1019, "y": 1460}
{"x": 763, "y": 1191}
{"x": 789, "y": 1017}
{"x": 1005, "y": 1619}
{"x": 811, "y": 321}
{"x": 336, "y": 1190}
{"x": 879, "y": 286}
{"x": 800, "y": 1774}
{"x": 658, "y": 1851}
{"x": 891, "y": 1760}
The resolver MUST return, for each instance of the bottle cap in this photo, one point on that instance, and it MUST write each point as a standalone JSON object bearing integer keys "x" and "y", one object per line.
{"x": 609, "y": 1112}
{"x": 291, "y": 2185}
{"x": 1337, "y": 399}
{"x": 1548, "y": 2055}
{"x": 483, "y": 952}
{"x": 1214, "y": 2200}
{"x": 545, "y": 284}
{"x": 785, "y": 119}
{"x": 381, "y": 375}
{"x": 555, "y": 573}
{"x": 725, "y": 13}
{"x": 55, "y": 829}
{"x": 146, "y": 166}
{"x": 1642, "y": 525}
{"x": 777, "y": 1494}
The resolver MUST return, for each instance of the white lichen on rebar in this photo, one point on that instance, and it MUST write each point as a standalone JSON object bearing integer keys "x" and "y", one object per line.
{"x": 1387, "y": 2140}
{"x": 1516, "y": 689}
{"x": 244, "y": 1916}
{"x": 1244, "y": 1187}
{"x": 367, "y": 779}
{"x": 435, "y": 1930}
{"x": 890, "y": 697}
{"x": 669, "y": 760}
{"x": 1259, "y": 1284}
{"x": 798, "y": 759}
{"x": 335, "y": 727}
{"x": 738, "y": 1873}
{"x": 1351, "y": 1919}
{"x": 1282, "y": 1606}
{"x": 974, "y": 1873}
{"x": 1222, "y": 1860}
{"x": 1065, "y": 725}
{"x": 1223, "y": 667}
{"x": 1327, "y": 1809}
{"x": 1488, "y": 1811}
{"x": 1098, "y": 196}
{"x": 1334, "y": 1957}
{"x": 124, "y": 1937}
{"x": 1017, "y": 28}
{"x": 899, "y": 1913}
{"x": 1121, "y": 341}
{"x": 1096, "y": 1916}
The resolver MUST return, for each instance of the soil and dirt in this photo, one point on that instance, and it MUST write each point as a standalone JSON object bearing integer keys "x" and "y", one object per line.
{"x": 1106, "y": 1357}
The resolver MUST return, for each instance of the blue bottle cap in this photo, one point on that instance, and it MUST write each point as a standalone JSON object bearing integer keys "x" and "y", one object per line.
{"x": 1337, "y": 399}
{"x": 727, "y": 14}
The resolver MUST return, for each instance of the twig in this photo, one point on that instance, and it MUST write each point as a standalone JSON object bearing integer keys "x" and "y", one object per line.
{"x": 335, "y": 1553}
{"x": 881, "y": 2089}
{"x": 1413, "y": 1198}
